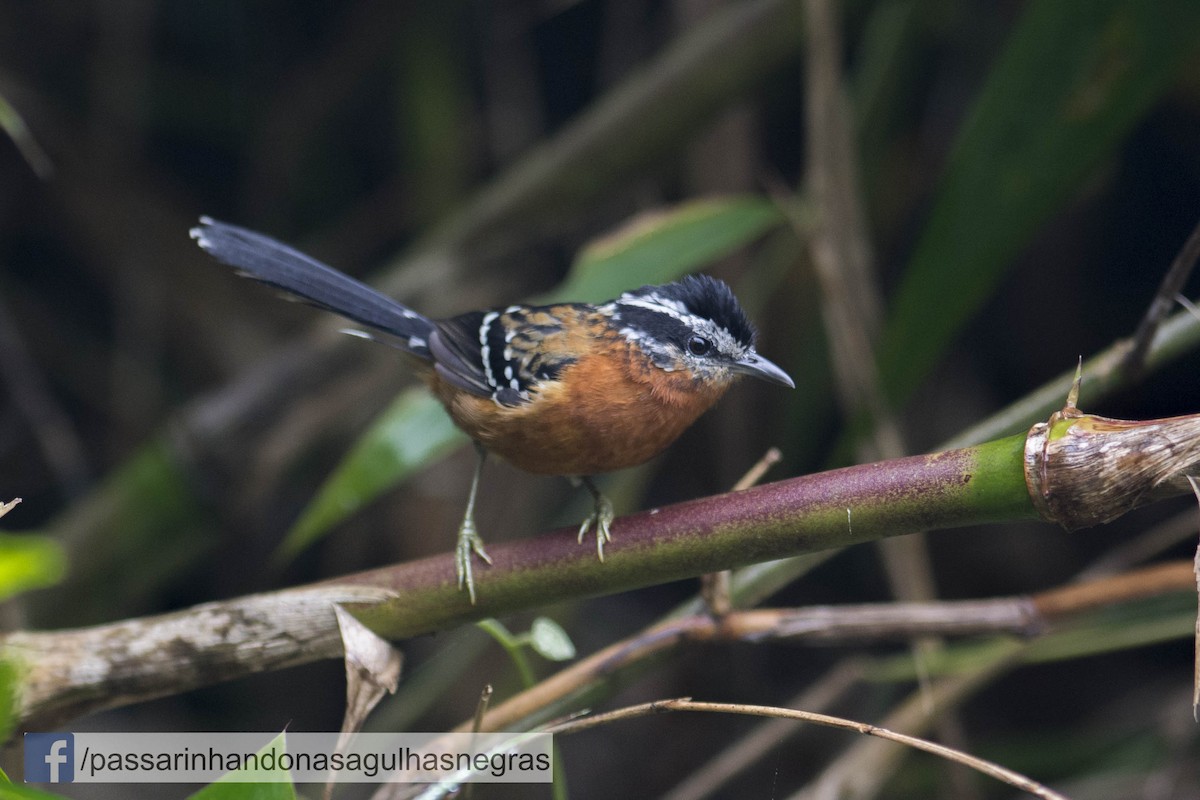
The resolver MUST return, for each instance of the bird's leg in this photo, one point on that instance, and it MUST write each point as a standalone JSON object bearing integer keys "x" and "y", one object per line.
{"x": 469, "y": 540}
{"x": 601, "y": 516}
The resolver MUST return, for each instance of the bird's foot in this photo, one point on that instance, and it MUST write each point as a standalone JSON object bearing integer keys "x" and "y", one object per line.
{"x": 469, "y": 542}
{"x": 601, "y": 519}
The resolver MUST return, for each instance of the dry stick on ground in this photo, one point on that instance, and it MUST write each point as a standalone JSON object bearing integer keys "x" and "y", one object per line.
{"x": 662, "y": 706}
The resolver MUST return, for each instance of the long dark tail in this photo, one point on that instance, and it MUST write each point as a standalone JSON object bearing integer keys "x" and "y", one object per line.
{"x": 274, "y": 263}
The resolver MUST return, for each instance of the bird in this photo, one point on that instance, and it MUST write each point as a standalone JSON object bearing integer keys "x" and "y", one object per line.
{"x": 569, "y": 389}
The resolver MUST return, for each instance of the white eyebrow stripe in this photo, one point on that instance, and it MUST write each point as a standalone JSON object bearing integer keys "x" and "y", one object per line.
{"x": 675, "y": 311}
{"x": 657, "y": 302}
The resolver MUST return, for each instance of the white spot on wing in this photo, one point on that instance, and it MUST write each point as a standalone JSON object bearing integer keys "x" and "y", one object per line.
{"x": 484, "y": 349}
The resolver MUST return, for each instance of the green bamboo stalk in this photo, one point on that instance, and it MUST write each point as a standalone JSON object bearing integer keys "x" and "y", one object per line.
{"x": 802, "y": 515}
{"x": 154, "y": 656}
{"x": 1016, "y": 478}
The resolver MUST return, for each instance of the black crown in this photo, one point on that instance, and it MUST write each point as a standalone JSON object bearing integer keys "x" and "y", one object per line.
{"x": 710, "y": 298}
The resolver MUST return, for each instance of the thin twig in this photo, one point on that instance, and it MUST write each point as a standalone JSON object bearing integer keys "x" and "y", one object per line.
{"x": 1020, "y": 615}
{"x": 711, "y": 777}
{"x": 1076, "y": 598}
{"x": 862, "y": 770}
{"x": 715, "y": 586}
{"x": 1134, "y": 362}
{"x": 485, "y": 700}
{"x": 989, "y": 768}
{"x": 756, "y": 473}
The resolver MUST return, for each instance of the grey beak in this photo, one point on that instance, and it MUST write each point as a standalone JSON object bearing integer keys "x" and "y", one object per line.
{"x": 756, "y": 366}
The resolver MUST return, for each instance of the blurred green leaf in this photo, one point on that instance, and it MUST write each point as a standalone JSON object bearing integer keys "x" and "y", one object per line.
{"x": 10, "y": 682}
{"x": 550, "y": 641}
{"x": 152, "y": 523}
{"x": 661, "y": 245}
{"x": 245, "y": 791}
{"x": 432, "y": 91}
{"x": 12, "y": 124}
{"x": 29, "y": 562}
{"x": 414, "y": 430}
{"x": 228, "y": 788}
{"x": 1072, "y": 81}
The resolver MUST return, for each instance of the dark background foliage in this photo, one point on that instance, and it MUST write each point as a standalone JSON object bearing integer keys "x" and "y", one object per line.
{"x": 360, "y": 132}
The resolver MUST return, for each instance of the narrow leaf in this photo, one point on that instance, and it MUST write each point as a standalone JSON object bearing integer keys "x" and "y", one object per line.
{"x": 659, "y": 246}
{"x": 228, "y": 788}
{"x": 12, "y": 123}
{"x": 29, "y": 562}
{"x": 411, "y": 433}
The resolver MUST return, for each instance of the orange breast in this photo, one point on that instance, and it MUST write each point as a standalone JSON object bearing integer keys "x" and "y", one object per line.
{"x": 605, "y": 412}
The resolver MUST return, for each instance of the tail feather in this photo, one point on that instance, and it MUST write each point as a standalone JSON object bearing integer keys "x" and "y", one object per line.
{"x": 271, "y": 262}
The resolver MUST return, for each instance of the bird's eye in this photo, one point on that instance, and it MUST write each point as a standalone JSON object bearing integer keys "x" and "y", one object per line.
{"x": 699, "y": 346}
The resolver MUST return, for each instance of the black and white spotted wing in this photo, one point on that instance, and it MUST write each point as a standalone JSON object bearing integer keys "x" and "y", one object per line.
{"x": 501, "y": 353}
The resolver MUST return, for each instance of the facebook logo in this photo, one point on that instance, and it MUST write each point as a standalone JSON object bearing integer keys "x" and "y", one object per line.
{"x": 49, "y": 757}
